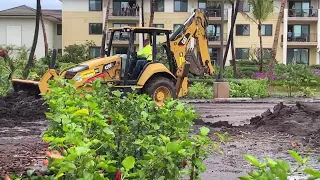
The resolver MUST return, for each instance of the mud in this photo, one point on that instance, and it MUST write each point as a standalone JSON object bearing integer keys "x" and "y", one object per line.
{"x": 22, "y": 120}
{"x": 268, "y": 134}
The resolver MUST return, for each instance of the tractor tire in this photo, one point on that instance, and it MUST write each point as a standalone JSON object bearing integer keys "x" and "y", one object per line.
{"x": 160, "y": 88}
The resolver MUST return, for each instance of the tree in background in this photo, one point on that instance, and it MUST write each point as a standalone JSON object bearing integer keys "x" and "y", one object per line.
{"x": 275, "y": 41}
{"x": 104, "y": 36}
{"x": 46, "y": 48}
{"x": 34, "y": 44}
{"x": 261, "y": 11}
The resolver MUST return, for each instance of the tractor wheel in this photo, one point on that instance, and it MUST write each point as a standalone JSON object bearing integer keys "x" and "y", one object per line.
{"x": 160, "y": 88}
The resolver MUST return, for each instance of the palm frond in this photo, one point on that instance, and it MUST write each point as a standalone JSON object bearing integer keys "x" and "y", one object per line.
{"x": 261, "y": 9}
{"x": 248, "y": 17}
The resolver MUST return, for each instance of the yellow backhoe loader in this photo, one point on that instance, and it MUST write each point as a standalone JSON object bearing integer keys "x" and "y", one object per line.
{"x": 155, "y": 78}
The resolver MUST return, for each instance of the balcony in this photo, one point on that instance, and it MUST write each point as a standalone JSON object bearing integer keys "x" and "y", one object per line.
{"x": 302, "y": 14}
{"x": 122, "y": 39}
{"x": 126, "y": 14}
{"x": 215, "y": 39}
{"x": 214, "y": 14}
{"x": 301, "y": 40}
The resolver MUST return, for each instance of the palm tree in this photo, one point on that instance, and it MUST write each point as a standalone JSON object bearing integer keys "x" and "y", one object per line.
{"x": 152, "y": 7}
{"x": 46, "y": 48}
{"x": 275, "y": 41}
{"x": 261, "y": 11}
{"x": 34, "y": 44}
{"x": 104, "y": 36}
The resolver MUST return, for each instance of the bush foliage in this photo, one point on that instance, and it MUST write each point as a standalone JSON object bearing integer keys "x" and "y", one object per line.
{"x": 101, "y": 134}
{"x": 200, "y": 90}
{"x": 249, "y": 88}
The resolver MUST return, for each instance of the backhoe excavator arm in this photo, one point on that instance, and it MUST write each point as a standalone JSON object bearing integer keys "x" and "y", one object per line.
{"x": 193, "y": 27}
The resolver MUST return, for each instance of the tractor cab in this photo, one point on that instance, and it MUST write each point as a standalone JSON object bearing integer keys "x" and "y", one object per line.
{"x": 130, "y": 73}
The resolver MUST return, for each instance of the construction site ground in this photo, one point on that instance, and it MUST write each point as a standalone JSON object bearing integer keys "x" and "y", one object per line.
{"x": 287, "y": 126}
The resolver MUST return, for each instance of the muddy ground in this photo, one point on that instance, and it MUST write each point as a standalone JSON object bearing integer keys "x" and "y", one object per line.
{"x": 271, "y": 135}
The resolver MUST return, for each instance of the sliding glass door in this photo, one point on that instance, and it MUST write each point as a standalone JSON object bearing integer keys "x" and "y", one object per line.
{"x": 298, "y": 56}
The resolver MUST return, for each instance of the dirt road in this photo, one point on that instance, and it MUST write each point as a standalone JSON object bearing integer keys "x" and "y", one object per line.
{"x": 21, "y": 147}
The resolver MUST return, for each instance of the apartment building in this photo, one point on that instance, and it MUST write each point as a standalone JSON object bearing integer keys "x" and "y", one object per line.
{"x": 84, "y": 20}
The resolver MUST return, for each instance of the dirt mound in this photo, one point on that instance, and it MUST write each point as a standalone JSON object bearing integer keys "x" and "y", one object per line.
{"x": 18, "y": 107}
{"x": 302, "y": 119}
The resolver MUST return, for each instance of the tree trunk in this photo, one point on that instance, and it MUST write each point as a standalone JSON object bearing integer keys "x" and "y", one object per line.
{"x": 105, "y": 29}
{"x": 142, "y": 17}
{"x": 233, "y": 21}
{"x": 275, "y": 41}
{"x": 46, "y": 48}
{"x": 234, "y": 64}
{"x": 261, "y": 49}
{"x": 34, "y": 44}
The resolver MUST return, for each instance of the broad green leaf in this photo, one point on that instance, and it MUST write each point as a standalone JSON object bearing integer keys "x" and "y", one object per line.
{"x": 30, "y": 172}
{"x": 82, "y": 112}
{"x": 59, "y": 175}
{"x": 87, "y": 175}
{"x": 173, "y": 147}
{"x": 271, "y": 162}
{"x": 204, "y": 131}
{"x": 312, "y": 172}
{"x": 245, "y": 178}
{"x": 128, "y": 162}
{"x": 108, "y": 131}
{"x": 296, "y": 156}
{"x": 252, "y": 160}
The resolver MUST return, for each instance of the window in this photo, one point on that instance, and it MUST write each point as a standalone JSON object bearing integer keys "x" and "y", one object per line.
{"x": 266, "y": 30}
{"x": 95, "y": 51}
{"x": 95, "y": 5}
{"x": 298, "y": 56}
{"x": 244, "y": 7}
{"x": 95, "y": 28}
{"x": 120, "y": 8}
{"x": 120, "y": 50}
{"x": 267, "y": 52}
{"x": 202, "y": 4}
{"x": 181, "y": 5}
{"x": 176, "y": 27}
{"x": 159, "y": 5}
{"x": 243, "y": 30}
{"x": 59, "y": 29}
{"x": 242, "y": 53}
{"x": 158, "y": 25}
{"x": 213, "y": 32}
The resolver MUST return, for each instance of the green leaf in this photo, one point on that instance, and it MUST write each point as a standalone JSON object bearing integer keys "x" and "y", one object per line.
{"x": 204, "y": 131}
{"x": 82, "y": 112}
{"x": 245, "y": 178}
{"x": 312, "y": 172}
{"x": 87, "y": 175}
{"x": 173, "y": 147}
{"x": 30, "y": 172}
{"x": 128, "y": 162}
{"x": 108, "y": 131}
{"x": 252, "y": 160}
{"x": 59, "y": 175}
{"x": 296, "y": 156}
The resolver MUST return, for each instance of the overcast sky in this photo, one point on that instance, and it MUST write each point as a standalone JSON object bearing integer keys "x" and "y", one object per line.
{"x": 46, "y": 4}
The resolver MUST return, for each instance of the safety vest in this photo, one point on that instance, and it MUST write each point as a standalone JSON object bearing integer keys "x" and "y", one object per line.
{"x": 146, "y": 52}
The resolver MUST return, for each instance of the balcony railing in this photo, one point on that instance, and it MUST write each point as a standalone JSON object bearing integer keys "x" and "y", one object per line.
{"x": 216, "y": 38}
{"x": 301, "y": 38}
{"x": 303, "y": 12}
{"x": 213, "y": 12}
{"x": 129, "y": 12}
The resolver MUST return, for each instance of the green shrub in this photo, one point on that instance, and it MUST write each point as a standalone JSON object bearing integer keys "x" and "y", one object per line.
{"x": 247, "y": 72}
{"x": 200, "y": 90}
{"x": 100, "y": 134}
{"x": 249, "y": 88}
{"x": 247, "y": 63}
{"x": 279, "y": 169}
{"x": 315, "y": 66}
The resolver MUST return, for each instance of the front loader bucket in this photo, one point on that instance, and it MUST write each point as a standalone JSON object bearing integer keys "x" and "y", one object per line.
{"x": 195, "y": 64}
{"x": 31, "y": 87}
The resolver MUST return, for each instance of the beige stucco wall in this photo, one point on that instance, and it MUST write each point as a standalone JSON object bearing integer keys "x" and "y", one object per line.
{"x": 76, "y": 27}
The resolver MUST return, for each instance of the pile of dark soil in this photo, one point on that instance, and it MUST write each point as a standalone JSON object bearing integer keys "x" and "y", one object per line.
{"x": 302, "y": 119}
{"x": 18, "y": 107}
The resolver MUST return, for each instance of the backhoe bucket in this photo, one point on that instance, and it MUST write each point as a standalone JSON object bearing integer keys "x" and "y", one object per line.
{"x": 31, "y": 87}
{"x": 195, "y": 64}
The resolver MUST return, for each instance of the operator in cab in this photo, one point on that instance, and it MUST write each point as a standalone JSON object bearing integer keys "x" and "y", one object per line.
{"x": 144, "y": 56}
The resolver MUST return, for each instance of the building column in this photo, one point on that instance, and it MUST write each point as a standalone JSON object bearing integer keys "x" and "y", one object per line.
{"x": 229, "y": 55}
{"x": 140, "y": 34}
{"x": 285, "y": 36}
{"x": 318, "y": 40}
